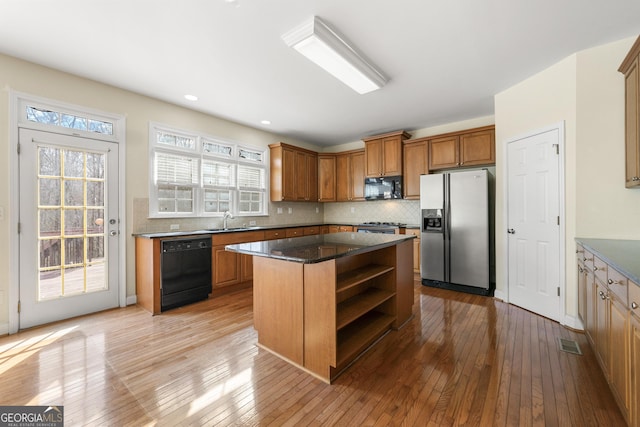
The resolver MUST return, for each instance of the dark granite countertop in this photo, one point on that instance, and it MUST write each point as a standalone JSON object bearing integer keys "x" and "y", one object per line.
{"x": 161, "y": 234}
{"x": 318, "y": 248}
{"x": 623, "y": 255}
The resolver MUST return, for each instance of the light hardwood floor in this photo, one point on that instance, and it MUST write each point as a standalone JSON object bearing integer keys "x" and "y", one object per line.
{"x": 462, "y": 360}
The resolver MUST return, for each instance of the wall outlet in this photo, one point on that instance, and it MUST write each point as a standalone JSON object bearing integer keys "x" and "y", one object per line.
{"x": 353, "y": 210}
{"x": 174, "y": 227}
{"x": 252, "y": 223}
{"x": 279, "y": 210}
{"x": 290, "y": 210}
{"x": 317, "y": 210}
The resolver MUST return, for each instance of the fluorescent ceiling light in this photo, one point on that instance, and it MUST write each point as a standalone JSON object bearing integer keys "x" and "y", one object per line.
{"x": 322, "y": 45}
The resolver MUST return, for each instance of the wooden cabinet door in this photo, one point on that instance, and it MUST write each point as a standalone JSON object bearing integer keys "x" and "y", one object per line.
{"x": 374, "y": 153}
{"x": 246, "y": 267}
{"x": 357, "y": 166}
{"x": 288, "y": 174}
{"x": 582, "y": 295}
{"x": 392, "y": 156}
{"x": 415, "y": 164}
{"x": 343, "y": 177}
{"x": 311, "y": 161}
{"x": 632, "y": 126}
{"x": 634, "y": 363}
{"x": 443, "y": 153}
{"x": 602, "y": 325}
{"x": 590, "y": 327}
{"x": 618, "y": 352}
{"x": 327, "y": 178}
{"x": 226, "y": 270}
{"x": 477, "y": 148}
{"x": 300, "y": 175}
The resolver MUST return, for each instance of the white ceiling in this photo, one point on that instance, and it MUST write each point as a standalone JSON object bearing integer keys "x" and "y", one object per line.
{"x": 445, "y": 59}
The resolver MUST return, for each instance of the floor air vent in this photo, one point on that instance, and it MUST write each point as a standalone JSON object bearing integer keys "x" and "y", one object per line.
{"x": 569, "y": 346}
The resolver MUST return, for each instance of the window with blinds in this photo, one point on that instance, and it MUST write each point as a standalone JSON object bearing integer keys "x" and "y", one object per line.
{"x": 196, "y": 175}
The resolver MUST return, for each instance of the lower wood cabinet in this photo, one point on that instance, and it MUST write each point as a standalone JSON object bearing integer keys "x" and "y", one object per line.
{"x": 619, "y": 351}
{"x": 230, "y": 268}
{"x": 606, "y": 301}
{"x": 634, "y": 344}
{"x": 416, "y": 248}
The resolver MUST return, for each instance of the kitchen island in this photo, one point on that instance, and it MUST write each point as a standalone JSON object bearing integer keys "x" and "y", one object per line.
{"x": 321, "y": 301}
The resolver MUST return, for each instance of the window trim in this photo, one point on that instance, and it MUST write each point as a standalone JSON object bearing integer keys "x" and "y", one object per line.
{"x": 202, "y": 156}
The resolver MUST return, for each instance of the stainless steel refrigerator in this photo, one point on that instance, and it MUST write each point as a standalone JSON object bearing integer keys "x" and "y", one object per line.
{"x": 455, "y": 231}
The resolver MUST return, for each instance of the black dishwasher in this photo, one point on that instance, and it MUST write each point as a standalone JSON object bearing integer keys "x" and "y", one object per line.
{"x": 185, "y": 271}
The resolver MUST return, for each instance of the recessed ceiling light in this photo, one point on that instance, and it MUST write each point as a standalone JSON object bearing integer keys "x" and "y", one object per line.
{"x": 191, "y": 97}
{"x": 265, "y": 122}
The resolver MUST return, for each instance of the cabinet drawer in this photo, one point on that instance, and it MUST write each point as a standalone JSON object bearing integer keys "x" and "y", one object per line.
{"x": 618, "y": 285}
{"x": 309, "y": 231}
{"x": 600, "y": 269}
{"x": 414, "y": 231}
{"x": 274, "y": 234}
{"x": 634, "y": 298}
{"x": 294, "y": 232}
{"x": 237, "y": 237}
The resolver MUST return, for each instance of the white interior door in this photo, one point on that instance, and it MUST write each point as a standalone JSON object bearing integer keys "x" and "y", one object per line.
{"x": 533, "y": 223}
{"x": 69, "y": 226}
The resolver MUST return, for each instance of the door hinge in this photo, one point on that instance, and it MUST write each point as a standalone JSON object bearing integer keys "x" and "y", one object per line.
{"x": 19, "y": 306}
{"x": 19, "y": 228}
{"x": 557, "y": 148}
{"x": 558, "y": 219}
{"x": 18, "y": 149}
{"x": 558, "y": 290}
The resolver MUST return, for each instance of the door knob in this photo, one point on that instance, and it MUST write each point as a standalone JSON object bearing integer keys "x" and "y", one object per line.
{"x": 511, "y": 231}
{"x": 113, "y": 233}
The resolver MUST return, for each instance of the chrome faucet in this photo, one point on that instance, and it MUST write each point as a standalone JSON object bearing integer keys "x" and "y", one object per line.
{"x": 227, "y": 215}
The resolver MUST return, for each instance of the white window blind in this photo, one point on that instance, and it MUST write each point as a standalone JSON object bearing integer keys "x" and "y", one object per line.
{"x": 176, "y": 169}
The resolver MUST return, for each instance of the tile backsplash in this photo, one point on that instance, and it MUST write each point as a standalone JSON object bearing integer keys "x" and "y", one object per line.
{"x": 403, "y": 211}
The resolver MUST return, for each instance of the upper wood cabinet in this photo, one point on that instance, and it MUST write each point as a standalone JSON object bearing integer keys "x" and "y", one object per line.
{"x": 473, "y": 147}
{"x": 416, "y": 163}
{"x": 327, "y": 177}
{"x": 350, "y": 174}
{"x": 629, "y": 68}
{"x": 294, "y": 173}
{"x": 384, "y": 154}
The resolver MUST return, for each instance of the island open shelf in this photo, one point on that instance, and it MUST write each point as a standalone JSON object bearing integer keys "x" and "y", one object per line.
{"x": 321, "y": 301}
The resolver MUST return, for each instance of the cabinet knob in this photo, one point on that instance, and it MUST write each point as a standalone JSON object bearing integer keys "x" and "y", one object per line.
{"x": 635, "y": 178}
{"x": 581, "y": 270}
{"x": 511, "y": 231}
{"x": 610, "y": 282}
{"x": 634, "y": 305}
{"x": 595, "y": 268}
{"x": 602, "y": 295}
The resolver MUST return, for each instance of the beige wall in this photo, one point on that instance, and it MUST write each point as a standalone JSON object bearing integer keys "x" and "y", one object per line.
{"x": 586, "y": 92}
{"x": 605, "y": 208}
{"x": 139, "y": 111}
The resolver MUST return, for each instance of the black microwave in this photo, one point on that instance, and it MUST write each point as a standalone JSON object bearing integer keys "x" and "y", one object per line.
{"x": 386, "y": 187}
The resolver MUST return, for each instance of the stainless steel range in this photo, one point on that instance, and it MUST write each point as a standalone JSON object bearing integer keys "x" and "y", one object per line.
{"x": 380, "y": 227}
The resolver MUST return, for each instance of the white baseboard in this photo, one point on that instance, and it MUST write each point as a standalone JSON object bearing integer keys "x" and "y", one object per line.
{"x": 4, "y": 329}
{"x": 132, "y": 300}
{"x": 498, "y": 294}
{"x": 573, "y": 322}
